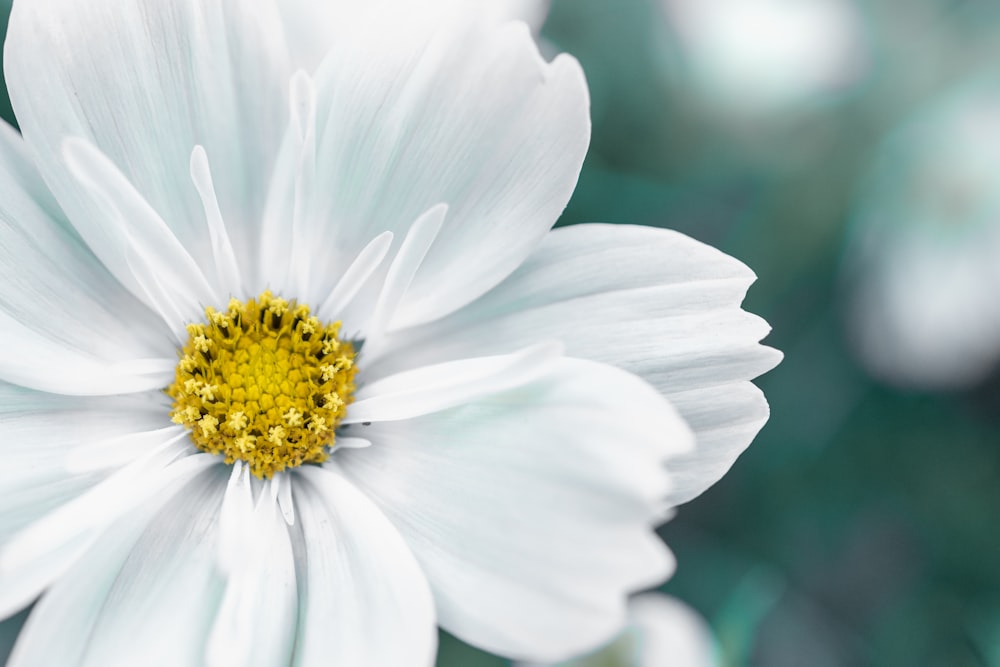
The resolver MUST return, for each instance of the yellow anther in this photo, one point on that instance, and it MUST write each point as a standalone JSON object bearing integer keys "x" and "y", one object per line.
{"x": 333, "y": 401}
{"x": 278, "y": 306}
{"x": 293, "y": 417}
{"x": 207, "y": 392}
{"x": 209, "y": 425}
{"x": 310, "y": 326}
{"x": 277, "y": 434}
{"x": 237, "y": 421}
{"x": 218, "y": 319}
{"x": 317, "y": 425}
{"x": 272, "y": 392}
{"x": 245, "y": 443}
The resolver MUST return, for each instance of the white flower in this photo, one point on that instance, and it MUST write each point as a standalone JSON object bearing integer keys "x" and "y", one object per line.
{"x": 662, "y": 631}
{"x": 753, "y": 56}
{"x": 923, "y": 267}
{"x": 405, "y": 188}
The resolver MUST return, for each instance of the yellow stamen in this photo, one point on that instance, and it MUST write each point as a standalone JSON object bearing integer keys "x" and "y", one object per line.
{"x": 237, "y": 421}
{"x": 293, "y": 417}
{"x": 263, "y": 382}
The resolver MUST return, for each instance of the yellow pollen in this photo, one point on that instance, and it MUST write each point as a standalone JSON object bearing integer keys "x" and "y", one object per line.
{"x": 333, "y": 401}
{"x": 264, "y": 382}
{"x": 209, "y": 425}
{"x": 293, "y": 417}
{"x": 246, "y": 443}
{"x": 277, "y": 435}
{"x": 317, "y": 425}
{"x": 237, "y": 421}
{"x": 202, "y": 344}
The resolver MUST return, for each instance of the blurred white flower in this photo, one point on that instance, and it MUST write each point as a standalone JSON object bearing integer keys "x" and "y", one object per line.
{"x": 457, "y": 417}
{"x": 662, "y": 631}
{"x": 923, "y": 266}
{"x": 752, "y": 56}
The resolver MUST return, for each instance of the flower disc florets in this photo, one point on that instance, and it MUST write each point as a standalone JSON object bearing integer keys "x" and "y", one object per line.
{"x": 265, "y": 382}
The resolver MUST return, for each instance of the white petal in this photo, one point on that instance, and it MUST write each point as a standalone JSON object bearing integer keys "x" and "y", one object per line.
{"x": 351, "y": 442}
{"x": 168, "y": 277}
{"x": 255, "y": 624}
{"x": 66, "y": 322}
{"x": 31, "y": 360}
{"x": 43, "y": 551}
{"x": 671, "y": 632}
{"x": 651, "y": 301}
{"x": 531, "y": 510}
{"x": 235, "y": 516}
{"x": 39, "y": 432}
{"x": 399, "y": 276}
{"x": 662, "y": 631}
{"x": 365, "y": 599}
{"x": 226, "y": 264}
{"x": 725, "y": 419}
{"x": 532, "y": 12}
{"x": 313, "y": 27}
{"x": 355, "y": 277}
{"x": 164, "y": 77}
{"x": 303, "y": 221}
{"x": 442, "y": 386}
{"x": 414, "y": 110}
{"x": 39, "y": 435}
{"x": 144, "y": 594}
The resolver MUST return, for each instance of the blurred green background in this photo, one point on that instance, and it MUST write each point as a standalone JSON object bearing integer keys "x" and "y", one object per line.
{"x": 857, "y": 529}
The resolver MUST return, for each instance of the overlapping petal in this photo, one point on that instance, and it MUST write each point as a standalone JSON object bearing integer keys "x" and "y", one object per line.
{"x": 57, "y": 449}
{"x": 148, "y": 588}
{"x": 146, "y": 81}
{"x": 361, "y": 584}
{"x": 662, "y": 631}
{"x": 651, "y": 301}
{"x": 531, "y": 510}
{"x": 260, "y": 597}
{"x": 422, "y": 107}
{"x": 60, "y": 309}
{"x": 44, "y": 434}
{"x": 45, "y": 548}
{"x": 313, "y": 27}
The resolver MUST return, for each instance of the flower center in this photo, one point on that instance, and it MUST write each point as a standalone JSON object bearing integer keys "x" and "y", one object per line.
{"x": 264, "y": 382}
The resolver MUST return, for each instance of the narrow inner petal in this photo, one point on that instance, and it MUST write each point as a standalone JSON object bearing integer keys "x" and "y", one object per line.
{"x": 441, "y": 386}
{"x": 226, "y": 264}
